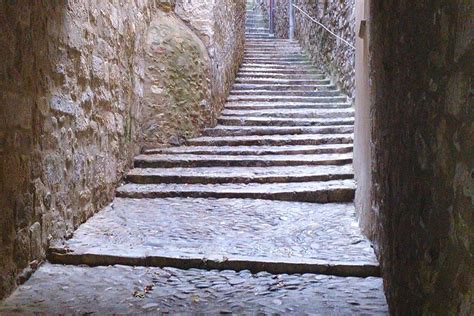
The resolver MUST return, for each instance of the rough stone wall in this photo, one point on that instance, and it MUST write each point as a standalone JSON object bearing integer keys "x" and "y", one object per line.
{"x": 177, "y": 91}
{"x": 263, "y": 7}
{"x": 71, "y": 80}
{"x": 327, "y": 52}
{"x": 72, "y": 84}
{"x": 333, "y": 55}
{"x": 221, "y": 25}
{"x": 281, "y": 19}
{"x": 423, "y": 136}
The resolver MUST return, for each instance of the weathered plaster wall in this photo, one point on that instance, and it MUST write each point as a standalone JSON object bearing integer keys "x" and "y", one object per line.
{"x": 423, "y": 136}
{"x": 363, "y": 162}
{"x": 327, "y": 52}
{"x": 72, "y": 86}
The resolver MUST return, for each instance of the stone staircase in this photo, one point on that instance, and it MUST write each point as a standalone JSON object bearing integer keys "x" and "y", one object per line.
{"x": 255, "y": 216}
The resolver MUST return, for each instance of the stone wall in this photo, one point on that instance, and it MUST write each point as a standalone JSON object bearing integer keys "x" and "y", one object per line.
{"x": 177, "y": 90}
{"x": 221, "y": 25}
{"x": 423, "y": 132}
{"x": 327, "y": 52}
{"x": 73, "y": 81}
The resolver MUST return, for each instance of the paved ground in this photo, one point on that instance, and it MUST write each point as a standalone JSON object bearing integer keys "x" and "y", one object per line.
{"x": 205, "y": 228}
{"x": 57, "y": 289}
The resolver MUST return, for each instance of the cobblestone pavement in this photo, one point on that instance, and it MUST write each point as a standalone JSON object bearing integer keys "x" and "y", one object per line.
{"x": 57, "y": 289}
{"x": 208, "y": 227}
{"x": 242, "y": 197}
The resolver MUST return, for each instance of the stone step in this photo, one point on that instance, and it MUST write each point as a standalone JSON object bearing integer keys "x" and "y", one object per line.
{"x": 280, "y": 71}
{"x": 272, "y": 140}
{"x": 270, "y": 43}
{"x": 336, "y": 191}
{"x": 282, "y": 81}
{"x": 284, "y": 87}
{"x": 225, "y": 228}
{"x": 300, "y": 62}
{"x": 274, "y": 54}
{"x": 269, "y": 59}
{"x": 254, "y": 150}
{"x": 295, "y": 64}
{"x": 70, "y": 290}
{"x": 258, "y": 35}
{"x": 297, "y": 93}
{"x": 277, "y": 121}
{"x": 279, "y": 65}
{"x": 256, "y": 29}
{"x": 280, "y": 105}
{"x": 293, "y": 113}
{"x": 188, "y": 161}
{"x": 275, "y": 64}
{"x": 216, "y": 175}
{"x": 224, "y": 130}
{"x": 250, "y": 33}
{"x": 270, "y": 47}
{"x": 276, "y": 41}
{"x": 255, "y": 25}
{"x": 255, "y": 75}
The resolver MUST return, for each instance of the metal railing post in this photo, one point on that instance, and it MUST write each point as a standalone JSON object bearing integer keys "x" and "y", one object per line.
{"x": 291, "y": 16}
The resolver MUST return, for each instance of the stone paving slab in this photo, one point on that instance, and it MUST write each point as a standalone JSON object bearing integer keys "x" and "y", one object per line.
{"x": 239, "y": 174}
{"x": 57, "y": 289}
{"x": 318, "y": 192}
{"x": 185, "y": 160}
{"x": 254, "y": 150}
{"x": 278, "y": 121}
{"x": 272, "y": 140}
{"x": 293, "y": 113}
{"x": 226, "y": 130}
{"x": 236, "y": 229}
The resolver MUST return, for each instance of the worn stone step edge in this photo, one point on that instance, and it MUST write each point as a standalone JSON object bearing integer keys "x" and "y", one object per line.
{"x": 235, "y": 263}
{"x": 276, "y": 105}
{"x": 286, "y": 93}
{"x": 252, "y": 150}
{"x": 327, "y": 113}
{"x": 224, "y": 130}
{"x": 334, "y": 191}
{"x": 267, "y": 140}
{"x": 282, "y": 81}
{"x": 154, "y": 176}
{"x": 186, "y": 161}
{"x": 278, "y": 121}
{"x": 283, "y": 87}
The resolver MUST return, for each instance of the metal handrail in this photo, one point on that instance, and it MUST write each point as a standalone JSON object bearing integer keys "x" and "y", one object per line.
{"x": 323, "y": 26}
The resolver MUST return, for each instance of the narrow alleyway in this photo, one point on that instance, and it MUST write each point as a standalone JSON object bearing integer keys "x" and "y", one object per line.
{"x": 254, "y": 216}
